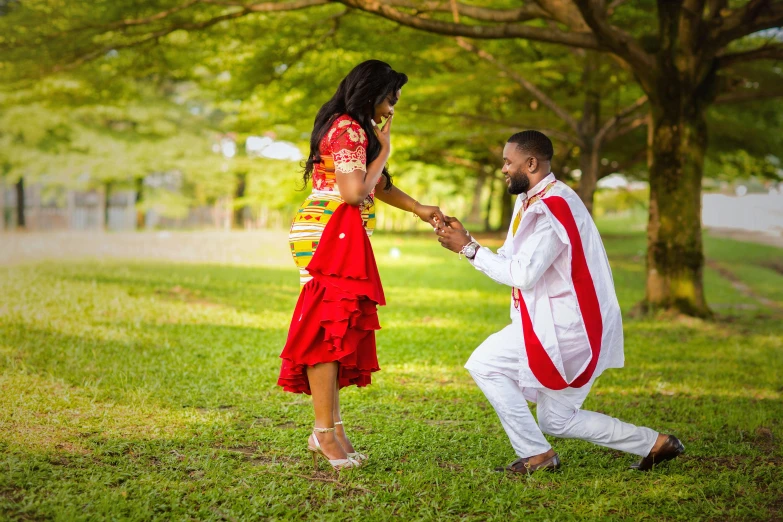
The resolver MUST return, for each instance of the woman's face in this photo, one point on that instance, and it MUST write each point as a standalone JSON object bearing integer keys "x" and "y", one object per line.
{"x": 386, "y": 108}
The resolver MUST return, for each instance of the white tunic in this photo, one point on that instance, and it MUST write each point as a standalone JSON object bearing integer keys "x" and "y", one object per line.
{"x": 567, "y": 328}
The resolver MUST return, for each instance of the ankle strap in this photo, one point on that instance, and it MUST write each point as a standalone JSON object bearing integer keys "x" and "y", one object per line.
{"x": 323, "y": 430}
{"x": 338, "y": 422}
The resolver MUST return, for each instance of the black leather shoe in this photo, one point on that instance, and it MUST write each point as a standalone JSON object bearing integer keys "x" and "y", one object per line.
{"x": 670, "y": 449}
{"x": 522, "y": 465}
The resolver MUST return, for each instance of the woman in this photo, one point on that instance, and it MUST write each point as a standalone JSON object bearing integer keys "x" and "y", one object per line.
{"x": 331, "y": 342}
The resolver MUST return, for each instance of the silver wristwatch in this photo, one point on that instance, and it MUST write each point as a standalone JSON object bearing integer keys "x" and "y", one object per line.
{"x": 470, "y": 249}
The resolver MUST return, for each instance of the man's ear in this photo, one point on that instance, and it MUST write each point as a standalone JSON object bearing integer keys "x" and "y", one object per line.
{"x": 532, "y": 164}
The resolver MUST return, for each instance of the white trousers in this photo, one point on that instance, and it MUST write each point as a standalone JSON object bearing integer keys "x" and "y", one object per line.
{"x": 495, "y": 366}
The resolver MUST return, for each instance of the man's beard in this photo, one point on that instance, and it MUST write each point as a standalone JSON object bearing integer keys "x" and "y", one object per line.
{"x": 518, "y": 182}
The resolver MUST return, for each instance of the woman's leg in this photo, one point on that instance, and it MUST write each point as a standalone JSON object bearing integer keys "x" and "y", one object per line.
{"x": 322, "y": 379}
{"x": 340, "y": 431}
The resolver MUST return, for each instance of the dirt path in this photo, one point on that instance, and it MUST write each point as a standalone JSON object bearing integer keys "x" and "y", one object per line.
{"x": 749, "y": 237}
{"x": 742, "y": 287}
{"x": 240, "y": 248}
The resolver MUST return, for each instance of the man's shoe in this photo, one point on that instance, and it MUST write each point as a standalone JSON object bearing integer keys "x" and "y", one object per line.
{"x": 522, "y": 465}
{"x": 670, "y": 449}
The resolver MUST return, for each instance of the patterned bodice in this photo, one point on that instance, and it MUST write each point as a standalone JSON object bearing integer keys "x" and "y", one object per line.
{"x": 343, "y": 149}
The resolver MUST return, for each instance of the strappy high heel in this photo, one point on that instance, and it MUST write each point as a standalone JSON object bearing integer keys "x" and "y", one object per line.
{"x": 361, "y": 458}
{"x": 337, "y": 464}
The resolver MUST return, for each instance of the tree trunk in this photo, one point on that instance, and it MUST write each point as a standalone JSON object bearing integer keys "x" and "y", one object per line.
{"x": 107, "y": 203}
{"x": 140, "y": 224}
{"x": 2, "y": 203}
{"x": 683, "y": 89}
{"x": 475, "y": 207}
{"x": 488, "y": 216}
{"x": 20, "y": 214}
{"x": 675, "y": 258}
{"x": 588, "y": 163}
{"x": 239, "y": 212}
{"x": 589, "y": 154}
{"x": 506, "y": 208}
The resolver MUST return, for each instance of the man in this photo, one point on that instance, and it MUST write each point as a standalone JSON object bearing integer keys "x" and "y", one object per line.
{"x": 566, "y": 325}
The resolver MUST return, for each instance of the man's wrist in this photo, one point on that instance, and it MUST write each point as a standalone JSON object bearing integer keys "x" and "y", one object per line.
{"x": 470, "y": 249}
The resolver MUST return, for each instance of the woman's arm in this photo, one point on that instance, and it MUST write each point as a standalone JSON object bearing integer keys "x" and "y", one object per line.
{"x": 355, "y": 186}
{"x": 397, "y": 198}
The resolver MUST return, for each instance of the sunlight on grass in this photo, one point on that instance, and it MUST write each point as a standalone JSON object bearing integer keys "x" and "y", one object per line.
{"x": 147, "y": 390}
{"x": 48, "y": 415}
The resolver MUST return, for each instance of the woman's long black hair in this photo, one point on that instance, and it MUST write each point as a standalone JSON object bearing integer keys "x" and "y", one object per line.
{"x": 357, "y": 95}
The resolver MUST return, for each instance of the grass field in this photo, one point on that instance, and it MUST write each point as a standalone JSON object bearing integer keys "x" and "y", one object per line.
{"x": 146, "y": 391}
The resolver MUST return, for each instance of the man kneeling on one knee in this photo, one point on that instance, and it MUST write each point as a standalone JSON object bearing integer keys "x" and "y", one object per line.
{"x": 566, "y": 327}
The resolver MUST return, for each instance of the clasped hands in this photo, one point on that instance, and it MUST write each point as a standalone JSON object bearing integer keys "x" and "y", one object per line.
{"x": 451, "y": 232}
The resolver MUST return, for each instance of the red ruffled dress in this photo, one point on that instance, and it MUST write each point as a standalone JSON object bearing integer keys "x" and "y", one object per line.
{"x": 336, "y": 316}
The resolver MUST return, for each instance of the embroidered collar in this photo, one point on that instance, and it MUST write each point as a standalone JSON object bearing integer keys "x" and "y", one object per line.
{"x": 541, "y": 193}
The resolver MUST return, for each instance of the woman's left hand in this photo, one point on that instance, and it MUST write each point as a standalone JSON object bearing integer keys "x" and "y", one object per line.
{"x": 431, "y": 214}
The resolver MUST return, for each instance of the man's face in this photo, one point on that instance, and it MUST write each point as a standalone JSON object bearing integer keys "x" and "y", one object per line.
{"x": 514, "y": 163}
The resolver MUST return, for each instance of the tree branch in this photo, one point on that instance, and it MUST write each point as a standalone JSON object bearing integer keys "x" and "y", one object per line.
{"x": 124, "y": 24}
{"x": 525, "y": 84}
{"x": 613, "y": 7}
{"x": 618, "y": 119}
{"x": 92, "y": 55}
{"x": 263, "y": 7}
{"x": 765, "y": 52}
{"x": 754, "y": 16}
{"x": 142, "y": 21}
{"x": 607, "y": 170}
{"x": 253, "y": 8}
{"x": 716, "y": 6}
{"x": 616, "y": 40}
{"x": 317, "y": 42}
{"x": 745, "y": 96}
{"x": 691, "y": 23}
{"x": 633, "y": 125}
{"x": 511, "y": 126}
{"x": 376, "y": 7}
{"x": 462, "y": 162}
{"x": 563, "y": 11}
{"x": 269, "y": 7}
{"x": 483, "y": 14}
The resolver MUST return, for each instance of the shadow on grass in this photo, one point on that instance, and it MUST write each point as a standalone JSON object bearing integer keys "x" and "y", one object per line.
{"x": 225, "y": 468}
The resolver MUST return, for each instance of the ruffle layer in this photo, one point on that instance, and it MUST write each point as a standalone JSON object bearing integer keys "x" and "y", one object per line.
{"x": 336, "y": 316}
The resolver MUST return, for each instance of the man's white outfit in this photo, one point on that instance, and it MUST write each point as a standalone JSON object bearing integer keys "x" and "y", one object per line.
{"x": 566, "y": 327}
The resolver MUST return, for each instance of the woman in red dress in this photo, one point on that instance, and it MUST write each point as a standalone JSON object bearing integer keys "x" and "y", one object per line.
{"x": 331, "y": 341}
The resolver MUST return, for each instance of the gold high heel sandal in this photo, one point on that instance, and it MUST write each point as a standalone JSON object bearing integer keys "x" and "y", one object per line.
{"x": 337, "y": 464}
{"x": 361, "y": 458}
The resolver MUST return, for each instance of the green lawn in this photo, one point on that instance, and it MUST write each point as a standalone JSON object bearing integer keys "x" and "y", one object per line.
{"x": 141, "y": 391}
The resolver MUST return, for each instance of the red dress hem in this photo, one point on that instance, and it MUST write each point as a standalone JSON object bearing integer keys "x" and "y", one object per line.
{"x": 336, "y": 315}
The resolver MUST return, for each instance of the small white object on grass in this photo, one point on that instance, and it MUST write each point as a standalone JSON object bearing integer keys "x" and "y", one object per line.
{"x": 395, "y": 253}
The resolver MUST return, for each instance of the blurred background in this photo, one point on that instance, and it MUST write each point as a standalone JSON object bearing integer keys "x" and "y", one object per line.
{"x": 122, "y": 116}
{"x": 193, "y": 116}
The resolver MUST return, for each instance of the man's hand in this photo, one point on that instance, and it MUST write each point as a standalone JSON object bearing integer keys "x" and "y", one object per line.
{"x": 431, "y": 214}
{"x": 453, "y": 236}
{"x": 454, "y": 223}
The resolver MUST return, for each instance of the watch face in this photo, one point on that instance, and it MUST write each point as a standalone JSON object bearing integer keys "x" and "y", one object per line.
{"x": 470, "y": 251}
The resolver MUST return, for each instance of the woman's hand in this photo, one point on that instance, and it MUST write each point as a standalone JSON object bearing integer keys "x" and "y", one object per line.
{"x": 384, "y": 134}
{"x": 431, "y": 214}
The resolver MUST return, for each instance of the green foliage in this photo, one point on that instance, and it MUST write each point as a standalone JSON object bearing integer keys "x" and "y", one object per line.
{"x": 128, "y": 92}
{"x": 620, "y": 201}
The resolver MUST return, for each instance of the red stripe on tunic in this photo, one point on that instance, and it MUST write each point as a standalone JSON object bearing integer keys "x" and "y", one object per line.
{"x": 540, "y": 363}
